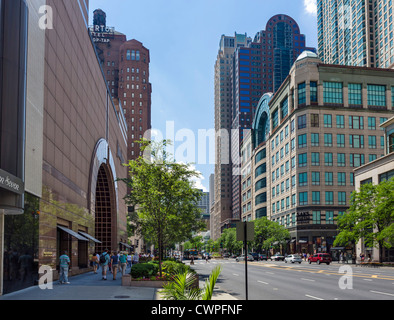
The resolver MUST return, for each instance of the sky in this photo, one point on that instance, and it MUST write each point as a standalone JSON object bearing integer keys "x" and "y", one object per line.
{"x": 183, "y": 39}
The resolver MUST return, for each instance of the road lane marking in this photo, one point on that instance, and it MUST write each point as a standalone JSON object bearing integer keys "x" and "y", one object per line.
{"x": 308, "y": 279}
{"x": 262, "y": 282}
{"x": 307, "y": 295}
{"x": 385, "y": 293}
{"x": 235, "y": 274}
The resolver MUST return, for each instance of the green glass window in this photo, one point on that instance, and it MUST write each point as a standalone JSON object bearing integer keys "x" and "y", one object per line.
{"x": 329, "y": 197}
{"x": 372, "y": 142}
{"x": 303, "y": 198}
{"x": 327, "y": 121}
{"x": 332, "y": 92}
{"x": 341, "y": 178}
{"x": 313, "y": 91}
{"x": 376, "y": 95}
{"x": 329, "y": 217}
{"x": 316, "y": 178}
{"x": 341, "y": 198}
{"x": 315, "y": 139}
{"x": 392, "y": 96}
{"x": 328, "y": 159}
{"x": 302, "y": 160}
{"x": 340, "y": 121}
{"x": 315, "y": 197}
{"x": 315, "y": 159}
{"x": 303, "y": 179}
{"x": 284, "y": 108}
{"x": 316, "y": 217}
{"x": 302, "y": 141}
{"x": 328, "y": 140}
{"x": 355, "y": 94}
{"x": 329, "y": 178}
{"x": 340, "y": 140}
{"x": 371, "y": 123}
{"x": 301, "y": 93}
{"x": 341, "y": 159}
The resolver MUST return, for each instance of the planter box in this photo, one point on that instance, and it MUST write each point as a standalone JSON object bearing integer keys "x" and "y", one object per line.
{"x": 127, "y": 281}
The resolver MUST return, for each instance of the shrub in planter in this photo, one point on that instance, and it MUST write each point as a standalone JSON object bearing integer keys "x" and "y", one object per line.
{"x": 144, "y": 270}
{"x": 171, "y": 267}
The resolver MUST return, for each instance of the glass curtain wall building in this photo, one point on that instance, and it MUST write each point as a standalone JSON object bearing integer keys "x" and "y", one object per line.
{"x": 356, "y": 32}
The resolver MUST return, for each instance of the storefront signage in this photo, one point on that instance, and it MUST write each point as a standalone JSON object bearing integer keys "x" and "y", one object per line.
{"x": 11, "y": 183}
{"x": 102, "y": 33}
{"x": 303, "y": 217}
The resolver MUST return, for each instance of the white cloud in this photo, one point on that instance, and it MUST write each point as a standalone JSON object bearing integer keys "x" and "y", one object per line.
{"x": 310, "y": 6}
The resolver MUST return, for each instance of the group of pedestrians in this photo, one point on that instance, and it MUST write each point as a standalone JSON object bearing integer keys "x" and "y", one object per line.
{"x": 113, "y": 262}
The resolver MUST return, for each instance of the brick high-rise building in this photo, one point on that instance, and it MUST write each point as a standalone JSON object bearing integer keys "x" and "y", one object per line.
{"x": 126, "y": 69}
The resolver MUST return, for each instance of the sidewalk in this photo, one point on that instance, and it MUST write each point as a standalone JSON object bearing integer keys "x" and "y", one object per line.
{"x": 90, "y": 286}
{"x": 87, "y": 286}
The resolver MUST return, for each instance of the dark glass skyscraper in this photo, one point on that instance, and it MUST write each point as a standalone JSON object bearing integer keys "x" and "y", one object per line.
{"x": 259, "y": 66}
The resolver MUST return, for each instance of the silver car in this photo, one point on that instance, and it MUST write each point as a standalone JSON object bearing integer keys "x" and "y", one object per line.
{"x": 293, "y": 258}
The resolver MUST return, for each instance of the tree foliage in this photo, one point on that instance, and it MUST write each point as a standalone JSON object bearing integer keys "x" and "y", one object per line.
{"x": 370, "y": 217}
{"x": 163, "y": 196}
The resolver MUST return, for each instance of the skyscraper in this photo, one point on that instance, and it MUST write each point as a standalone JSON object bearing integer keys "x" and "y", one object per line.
{"x": 356, "y": 32}
{"x": 255, "y": 67}
{"x": 126, "y": 68}
{"x": 223, "y": 106}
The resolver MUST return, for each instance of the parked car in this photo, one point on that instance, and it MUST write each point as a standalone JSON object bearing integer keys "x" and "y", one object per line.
{"x": 293, "y": 258}
{"x": 225, "y": 255}
{"x": 263, "y": 257}
{"x": 277, "y": 257}
{"x": 255, "y": 255}
{"x": 320, "y": 258}
{"x": 242, "y": 258}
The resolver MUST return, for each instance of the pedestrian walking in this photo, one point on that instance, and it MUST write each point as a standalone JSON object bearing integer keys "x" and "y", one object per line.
{"x": 114, "y": 264}
{"x": 136, "y": 258}
{"x": 129, "y": 260}
{"x": 95, "y": 263}
{"x": 123, "y": 262}
{"x": 64, "y": 264}
{"x": 104, "y": 262}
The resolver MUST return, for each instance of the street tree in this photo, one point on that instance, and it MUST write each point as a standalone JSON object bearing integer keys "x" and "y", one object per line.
{"x": 267, "y": 233}
{"x": 163, "y": 195}
{"x": 370, "y": 217}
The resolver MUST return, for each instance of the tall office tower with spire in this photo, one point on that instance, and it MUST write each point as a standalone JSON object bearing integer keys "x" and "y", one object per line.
{"x": 356, "y": 32}
{"x": 222, "y": 210}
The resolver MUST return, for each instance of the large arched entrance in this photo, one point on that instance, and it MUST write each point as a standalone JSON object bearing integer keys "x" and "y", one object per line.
{"x": 104, "y": 229}
{"x": 103, "y": 197}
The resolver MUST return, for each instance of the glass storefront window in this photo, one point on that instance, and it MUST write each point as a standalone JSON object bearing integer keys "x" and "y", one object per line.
{"x": 21, "y": 247}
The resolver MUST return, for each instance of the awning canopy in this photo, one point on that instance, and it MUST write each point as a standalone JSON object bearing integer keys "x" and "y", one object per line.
{"x": 73, "y": 233}
{"x": 89, "y": 237}
{"x": 126, "y": 245}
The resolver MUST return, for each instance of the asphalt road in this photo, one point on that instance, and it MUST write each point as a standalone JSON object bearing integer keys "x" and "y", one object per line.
{"x": 278, "y": 280}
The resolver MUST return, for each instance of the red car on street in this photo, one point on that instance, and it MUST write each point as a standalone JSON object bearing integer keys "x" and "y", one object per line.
{"x": 320, "y": 258}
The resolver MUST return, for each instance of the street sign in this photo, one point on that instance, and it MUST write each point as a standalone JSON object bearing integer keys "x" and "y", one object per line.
{"x": 245, "y": 233}
{"x": 240, "y": 229}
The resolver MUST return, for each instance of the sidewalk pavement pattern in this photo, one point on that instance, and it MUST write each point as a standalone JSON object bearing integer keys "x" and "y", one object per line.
{"x": 90, "y": 286}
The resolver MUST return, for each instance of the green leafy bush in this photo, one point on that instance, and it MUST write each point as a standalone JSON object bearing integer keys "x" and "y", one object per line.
{"x": 146, "y": 270}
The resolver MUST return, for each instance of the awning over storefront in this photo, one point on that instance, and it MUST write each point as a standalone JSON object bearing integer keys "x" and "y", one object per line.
{"x": 126, "y": 245}
{"x": 89, "y": 236}
{"x": 73, "y": 233}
